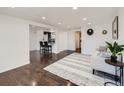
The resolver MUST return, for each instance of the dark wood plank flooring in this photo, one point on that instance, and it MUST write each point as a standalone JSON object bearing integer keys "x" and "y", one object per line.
{"x": 33, "y": 73}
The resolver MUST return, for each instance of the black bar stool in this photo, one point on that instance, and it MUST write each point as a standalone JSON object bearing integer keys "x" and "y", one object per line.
{"x": 42, "y": 47}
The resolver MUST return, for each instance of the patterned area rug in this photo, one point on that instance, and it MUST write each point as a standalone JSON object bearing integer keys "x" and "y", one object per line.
{"x": 77, "y": 69}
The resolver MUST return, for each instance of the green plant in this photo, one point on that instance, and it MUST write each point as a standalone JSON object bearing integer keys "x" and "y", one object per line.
{"x": 115, "y": 48}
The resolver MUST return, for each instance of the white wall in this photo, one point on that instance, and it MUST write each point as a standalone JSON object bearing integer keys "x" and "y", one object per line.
{"x": 33, "y": 39}
{"x": 63, "y": 40}
{"x": 91, "y": 43}
{"x": 71, "y": 40}
{"x": 39, "y": 37}
{"x": 14, "y": 43}
{"x": 121, "y": 25}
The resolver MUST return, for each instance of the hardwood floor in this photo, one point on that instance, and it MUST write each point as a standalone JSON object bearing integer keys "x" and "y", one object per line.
{"x": 33, "y": 73}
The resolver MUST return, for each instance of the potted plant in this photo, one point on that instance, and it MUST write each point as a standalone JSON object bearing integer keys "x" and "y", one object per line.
{"x": 115, "y": 50}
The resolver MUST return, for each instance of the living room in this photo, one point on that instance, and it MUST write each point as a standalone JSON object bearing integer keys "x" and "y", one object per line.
{"x": 17, "y": 40}
{"x": 61, "y": 43}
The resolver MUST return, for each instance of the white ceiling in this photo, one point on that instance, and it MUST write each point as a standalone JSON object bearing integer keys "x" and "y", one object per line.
{"x": 66, "y": 15}
{"x": 37, "y": 28}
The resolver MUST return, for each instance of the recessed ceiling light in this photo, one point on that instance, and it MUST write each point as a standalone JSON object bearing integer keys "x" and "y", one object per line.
{"x": 59, "y": 23}
{"x": 89, "y": 23}
{"x": 84, "y": 19}
{"x": 43, "y": 17}
{"x": 75, "y": 8}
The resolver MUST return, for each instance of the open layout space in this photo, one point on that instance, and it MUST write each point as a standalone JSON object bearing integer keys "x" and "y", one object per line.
{"x": 61, "y": 46}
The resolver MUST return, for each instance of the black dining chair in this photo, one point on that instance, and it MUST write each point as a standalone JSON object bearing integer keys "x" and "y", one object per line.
{"x": 48, "y": 47}
{"x": 42, "y": 47}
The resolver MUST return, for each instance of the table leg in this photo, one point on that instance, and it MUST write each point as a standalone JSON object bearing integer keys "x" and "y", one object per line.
{"x": 116, "y": 76}
{"x": 121, "y": 76}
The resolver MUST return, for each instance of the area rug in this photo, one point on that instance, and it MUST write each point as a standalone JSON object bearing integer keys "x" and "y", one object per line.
{"x": 77, "y": 69}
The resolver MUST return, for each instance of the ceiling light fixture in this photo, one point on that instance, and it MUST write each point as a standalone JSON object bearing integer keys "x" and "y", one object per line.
{"x": 59, "y": 23}
{"x": 75, "y": 8}
{"x": 89, "y": 23}
{"x": 84, "y": 19}
{"x": 43, "y": 17}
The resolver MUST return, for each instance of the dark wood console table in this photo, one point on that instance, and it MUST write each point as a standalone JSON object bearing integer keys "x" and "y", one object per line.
{"x": 116, "y": 64}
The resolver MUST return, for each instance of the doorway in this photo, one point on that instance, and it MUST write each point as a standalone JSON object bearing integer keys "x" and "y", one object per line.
{"x": 78, "y": 41}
